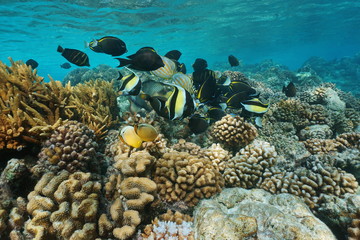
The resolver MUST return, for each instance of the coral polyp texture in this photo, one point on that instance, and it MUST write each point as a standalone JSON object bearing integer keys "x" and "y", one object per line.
{"x": 64, "y": 206}
{"x": 234, "y": 131}
{"x": 71, "y": 146}
{"x": 188, "y": 178}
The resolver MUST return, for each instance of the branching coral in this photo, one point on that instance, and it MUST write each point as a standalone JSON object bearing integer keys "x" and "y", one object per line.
{"x": 65, "y": 205}
{"x": 234, "y": 131}
{"x": 31, "y": 109}
{"x": 71, "y": 146}
{"x": 184, "y": 177}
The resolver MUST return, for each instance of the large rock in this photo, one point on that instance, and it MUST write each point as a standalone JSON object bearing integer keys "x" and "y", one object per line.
{"x": 237, "y": 213}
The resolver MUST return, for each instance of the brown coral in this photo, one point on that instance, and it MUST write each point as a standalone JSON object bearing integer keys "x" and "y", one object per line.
{"x": 218, "y": 156}
{"x": 184, "y": 177}
{"x": 64, "y": 205}
{"x": 354, "y": 228}
{"x": 71, "y": 146}
{"x": 234, "y": 131}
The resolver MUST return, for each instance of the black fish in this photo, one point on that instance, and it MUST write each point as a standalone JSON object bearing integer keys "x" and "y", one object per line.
{"x": 289, "y": 90}
{"x": 200, "y": 77}
{"x": 173, "y": 55}
{"x": 199, "y": 65}
{"x": 233, "y": 61}
{"x": 215, "y": 114}
{"x": 198, "y": 124}
{"x": 235, "y": 100}
{"x": 145, "y": 59}
{"x": 180, "y": 67}
{"x": 65, "y": 65}
{"x": 207, "y": 91}
{"x": 109, "y": 45}
{"x": 241, "y": 86}
{"x": 31, "y": 62}
{"x": 74, "y": 56}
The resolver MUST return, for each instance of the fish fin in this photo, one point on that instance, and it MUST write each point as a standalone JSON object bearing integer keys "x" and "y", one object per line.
{"x": 124, "y": 62}
{"x": 60, "y": 49}
{"x": 227, "y": 81}
{"x": 120, "y": 76}
{"x": 223, "y": 106}
{"x": 86, "y": 44}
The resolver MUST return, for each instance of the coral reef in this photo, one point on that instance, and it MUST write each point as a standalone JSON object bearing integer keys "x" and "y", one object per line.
{"x": 71, "y": 147}
{"x": 234, "y": 131}
{"x": 184, "y": 177}
{"x": 238, "y": 213}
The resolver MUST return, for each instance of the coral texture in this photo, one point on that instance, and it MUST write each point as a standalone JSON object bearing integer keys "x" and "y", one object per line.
{"x": 217, "y": 155}
{"x": 184, "y": 177}
{"x": 234, "y": 131}
{"x": 65, "y": 205}
{"x": 71, "y": 146}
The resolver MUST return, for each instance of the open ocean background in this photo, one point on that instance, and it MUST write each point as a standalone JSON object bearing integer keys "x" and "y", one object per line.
{"x": 288, "y": 32}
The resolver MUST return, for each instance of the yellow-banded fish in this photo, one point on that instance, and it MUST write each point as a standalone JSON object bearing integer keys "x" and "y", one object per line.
{"x": 108, "y": 45}
{"x": 235, "y": 101}
{"x": 198, "y": 124}
{"x": 255, "y": 105}
{"x": 129, "y": 137}
{"x": 129, "y": 84}
{"x": 183, "y": 81}
{"x": 146, "y": 132}
{"x": 180, "y": 104}
{"x": 167, "y": 71}
{"x": 233, "y": 61}
{"x": 200, "y": 77}
{"x": 241, "y": 86}
{"x": 215, "y": 113}
{"x": 207, "y": 91}
{"x": 74, "y": 56}
{"x": 145, "y": 59}
{"x": 157, "y": 103}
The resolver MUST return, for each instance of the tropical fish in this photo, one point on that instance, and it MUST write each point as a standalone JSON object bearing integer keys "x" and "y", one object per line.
{"x": 180, "y": 67}
{"x": 180, "y": 104}
{"x": 108, "y": 45}
{"x": 65, "y": 65}
{"x": 173, "y": 55}
{"x": 145, "y": 59}
{"x": 255, "y": 105}
{"x": 31, "y": 62}
{"x": 130, "y": 84}
{"x": 289, "y": 90}
{"x": 200, "y": 77}
{"x": 198, "y": 124}
{"x": 167, "y": 71}
{"x": 215, "y": 113}
{"x": 74, "y": 56}
{"x": 157, "y": 103}
{"x": 183, "y": 81}
{"x": 137, "y": 103}
{"x": 235, "y": 101}
{"x": 258, "y": 122}
{"x": 157, "y": 89}
{"x": 146, "y": 132}
{"x": 233, "y": 61}
{"x": 129, "y": 137}
{"x": 199, "y": 65}
{"x": 207, "y": 91}
{"x": 241, "y": 86}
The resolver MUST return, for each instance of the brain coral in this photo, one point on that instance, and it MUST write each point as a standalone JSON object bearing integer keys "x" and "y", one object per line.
{"x": 184, "y": 177}
{"x": 63, "y": 206}
{"x": 72, "y": 147}
{"x": 234, "y": 131}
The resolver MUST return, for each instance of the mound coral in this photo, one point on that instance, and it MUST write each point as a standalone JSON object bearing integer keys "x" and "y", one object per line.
{"x": 234, "y": 131}
{"x": 71, "y": 146}
{"x": 184, "y": 177}
{"x": 65, "y": 205}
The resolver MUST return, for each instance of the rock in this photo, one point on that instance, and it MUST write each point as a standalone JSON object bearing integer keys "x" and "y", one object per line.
{"x": 322, "y": 131}
{"x": 237, "y": 213}
{"x": 333, "y": 100}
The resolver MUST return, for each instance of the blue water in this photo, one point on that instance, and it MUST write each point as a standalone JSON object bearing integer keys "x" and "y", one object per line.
{"x": 289, "y": 32}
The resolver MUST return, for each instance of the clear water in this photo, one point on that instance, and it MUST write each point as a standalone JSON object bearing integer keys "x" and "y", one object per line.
{"x": 288, "y": 32}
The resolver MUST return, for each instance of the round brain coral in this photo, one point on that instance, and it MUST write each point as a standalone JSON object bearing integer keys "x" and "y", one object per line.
{"x": 184, "y": 177}
{"x": 234, "y": 131}
{"x": 71, "y": 146}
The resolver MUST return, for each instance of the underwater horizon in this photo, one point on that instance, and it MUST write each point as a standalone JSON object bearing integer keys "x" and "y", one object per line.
{"x": 288, "y": 32}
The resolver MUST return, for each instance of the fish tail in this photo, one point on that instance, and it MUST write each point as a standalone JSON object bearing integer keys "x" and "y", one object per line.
{"x": 120, "y": 76}
{"x": 86, "y": 44}
{"x": 123, "y": 62}
{"x": 60, "y": 49}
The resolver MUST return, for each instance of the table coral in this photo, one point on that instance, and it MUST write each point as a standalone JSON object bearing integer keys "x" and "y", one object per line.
{"x": 234, "y": 131}
{"x": 71, "y": 146}
{"x": 64, "y": 205}
{"x": 184, "y": 177}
